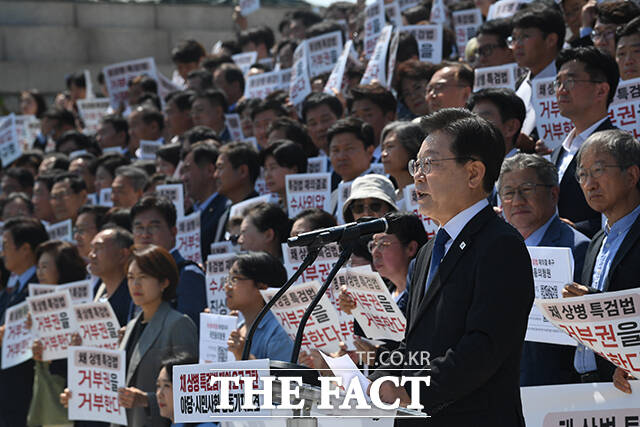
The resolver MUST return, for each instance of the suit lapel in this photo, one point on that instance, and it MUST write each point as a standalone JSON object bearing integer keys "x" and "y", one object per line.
{"x": 553, "y": 234}
{"x": 149, "y": 335}
{"x": 423, "y": 262}
{"x": 629, "y": 240}
{"x": 590, "y": 257}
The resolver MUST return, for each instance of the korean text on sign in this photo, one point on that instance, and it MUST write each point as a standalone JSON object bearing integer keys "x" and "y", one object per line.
{"x": 624, "y": 111}
{"x": 98, "y": 325}
{"x": 117, "y": 77}
{"x": 218, "y": 267}
{"x": 16, "y": 342}
{"x": 214, "y": 333}
{"x": 552, "y": 126}
{"x": 308, "y": 190}
{"x": 188, "y": 237}
{"x": 54, "y": 321}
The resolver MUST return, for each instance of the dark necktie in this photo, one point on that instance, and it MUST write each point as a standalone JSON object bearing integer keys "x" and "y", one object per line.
{"x": 436, "y": 255}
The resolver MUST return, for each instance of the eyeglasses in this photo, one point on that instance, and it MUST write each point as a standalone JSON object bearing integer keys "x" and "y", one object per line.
{"x": 512, "y": 40}
{"x": 595, "y": 171}
{"x": 233, "y": 280}
{"x": 607, "y": 35}
{"x": 526, "y": 191}
{"x": 487, "y": 49}
{"x": 425, "y": 165}
{"x": 382, "y": 244}
{"x": 569, "y": 84}
{"x": 358, "y": 208}
{"x": 140, "y": 230}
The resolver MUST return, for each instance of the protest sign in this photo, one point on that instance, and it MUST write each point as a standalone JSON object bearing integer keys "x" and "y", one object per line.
{"x": 552, "y": 269}
{"x": 98, "y": 325}
{"x": 376, "y": 311}
{"x": 373, "y": 22}
{"x": 188, "y": 237}
{"x": 91, "y": 112}
{"x": 393, "y": 12}
{"x": 27, "y": 129}
{"x": 17, "y": 339}
{"x": 117, "y": 77}
{"x": 429, "y": 39}
{"x": 406, "y": 4}
{"x": 88, "y": 84}
{"x": 306, "y": 191}
{"x": 285, "y": 79}
{"x": 247, "y": 7}
{"x": 79, "y": 291}
{"x": 580, "y": 405}
{"x": 214, "y": 333}
{"x": 166, "y": 86}
{"x": 175, "y": 193}
{"x": 551, "y": 125}
{"x": 607, "y": 323}
{"x": 148, "y": 148}
{"x": 245, "y": 60}
{"x": 9, "y": 144}
{"x": 319, "y": 270}
{"x": 300, "y": 86}
{"x": 196, "y": 393}
{"x": 217, "y": 271}
{"x": 324, "y": 51}
{"x": 391, "y": 62}
{"x": 105, "y": 197}
{"x": 495, "y": 77}
{"x": 624, "y": 111}
{"x": 376, "y": 67}
{"x": 322, "y": 330}
{"x": 411, "y": 205}
{"x": 438, "y": 13}
{"x": 240, "y": 208}
{"x": 466, "y": 23}
{"x": 62, "y": 230}
{"x": 234, "y": 124}
{"x": 224, "y": 247}
{"x": 94, "y": 376}
{"x": 261, "y": 85}
{"x": 336, "y": 83}
{"x": 505, "y": 8}
{"x": 344, "y": 190}
{"x": 317, "y": 164}
{"x": 54, "y": 321}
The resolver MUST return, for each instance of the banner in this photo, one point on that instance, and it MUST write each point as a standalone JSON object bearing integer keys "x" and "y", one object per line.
{"x": 117, "y": 77}
{"x": 300, "y": 85}
{"x": 411, "y": 205}
{"x": 98, "y": 325}
{"x": 496, "y": 77}
{"x": 17, "y": 339}
{"x": 80, "y": 291}
{"x": 214, "y": 333}
{"x": 306, "y": 191}
{"x": 552, "y": 127}
{"x": 9, "y": 143}
{"x": 196, "y": 393}
{"x": 175, "y": 193}
{"x": 94, "y": 376}
{"x": 376, "y": 67}
{"x": 324, "y": 51}
{"x": 218, "y": 267}
{"x": 624, "y": 111}
{"x": 54, "y": 321}
{"x": 91, "y": 112}
{"x": 607, "y": 323}
{"x": 188, "y": 237}
{"x": 429, "y": 39}
{"x": 466, "y": 23}
{"x": 552, "y": 270}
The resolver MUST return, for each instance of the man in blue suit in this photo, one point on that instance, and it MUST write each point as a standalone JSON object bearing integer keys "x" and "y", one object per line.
{"x": 529, "y": 190}
{"x": 198, "y": 168}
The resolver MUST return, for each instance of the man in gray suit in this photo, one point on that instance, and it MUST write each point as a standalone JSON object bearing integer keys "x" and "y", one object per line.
{"x": 528, "y": 188}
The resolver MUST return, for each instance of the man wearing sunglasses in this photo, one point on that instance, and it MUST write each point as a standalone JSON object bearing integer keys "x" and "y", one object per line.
{"x": 492, "y": 43}
{"x": 472, "y": 289}
{"x": 586, "y": 82}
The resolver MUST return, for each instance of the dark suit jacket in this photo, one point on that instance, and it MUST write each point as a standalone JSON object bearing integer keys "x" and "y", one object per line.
{"x": 549, "y": 364}
{"x": 623, "y": 274}
{"x": 224, "y": 218}
{"x": 191, "y": 293}
{"x": 16, "y": 383}
{"x": 572, "y": 205}
{"x": 209, "y": 219}
{"x": 472, "y": 321}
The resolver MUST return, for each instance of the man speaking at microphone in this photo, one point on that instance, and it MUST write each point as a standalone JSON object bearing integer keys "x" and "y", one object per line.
{"x": 472, "y": 289}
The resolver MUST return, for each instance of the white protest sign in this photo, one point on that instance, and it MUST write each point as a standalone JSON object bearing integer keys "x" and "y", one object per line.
{"x": 391, "y": 62}
{"x": 336, "y": 83}
{"x": 194, "y": 385}
{"x": 94, "y": 376}
{"x": 175, "y": 193}
{"x": 188, "y": 237}
{"x": 376, "y": 67}
{"x": 88, "y": 85}
{"x": 234, "y": 124}
{"x": 344, "y": 190}
{"x": 116, "y": 150}
{"x": 240, "y": 208}
{"x": 429, "y": 39}
{"x": 580, "y": 405}
{"x": 319, "y": 270}
{"x": 261, "y": 85}
{"x": 607, "y": 323}
{"x": 392, "y": 11}
{"x": 438, "y": 12}
{"x": 98, "y": 325}
{"x": 322, "y": 330}
{"x": 466, "y": 24}
{"x": 495, "y": 77}
{"x": 166, "y": 86}
{"x": 308, "y": 190}
{"x": 376, "y": 311}
{"x": 551, "y": 125}
{"x": 105, "y": 197}
{"x": 552, "y": 269}
{"x": 245, "y": 60}
{"x": 217, "y": 272}
{"x": 324, "y": 51}
{"x": 406, "y": 4}
{"x": 411, "y": 205}
{"x": 10, "y": 148}
{"x": 214, "y": 333}
{"x": 62, "y": 230}
{"x": 317, "y": 164}
{"x": 117, "y": 77}
{"x": 224, "y": 247}
{"x": 17, "y": 339}
{"x": 54, "y": 321}
{"x": 91, "y": 112}
{"x": 300, "y": 86}
{"x": 27, "y": 128}
{"x": 624, "y": 111}
{"x": 373, "y": 22}
{"x": 505, "y": 8}
{"x": 80, "y": 291}
{"x": 248, "y": 6}
{"x": 148, "y": 148}
{"x": 285, "y": 79}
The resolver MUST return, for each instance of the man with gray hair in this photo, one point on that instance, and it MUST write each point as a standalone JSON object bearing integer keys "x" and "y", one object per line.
{"x": 128, "y": 186}
{"x": 608, "y": 170}
{"x": 528, "y": 188}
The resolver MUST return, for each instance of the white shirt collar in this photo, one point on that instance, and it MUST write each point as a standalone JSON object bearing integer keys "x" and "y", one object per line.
{"x": 455, "y": 225}
{"x": 572, "y": 142}
{"x": 548, "y": 71}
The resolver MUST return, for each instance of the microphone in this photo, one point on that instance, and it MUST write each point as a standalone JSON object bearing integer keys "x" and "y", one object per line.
{"x": 335, "y": 234}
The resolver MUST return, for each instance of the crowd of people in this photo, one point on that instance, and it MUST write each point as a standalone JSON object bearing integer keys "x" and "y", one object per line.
{"x": 475, "y": 157}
